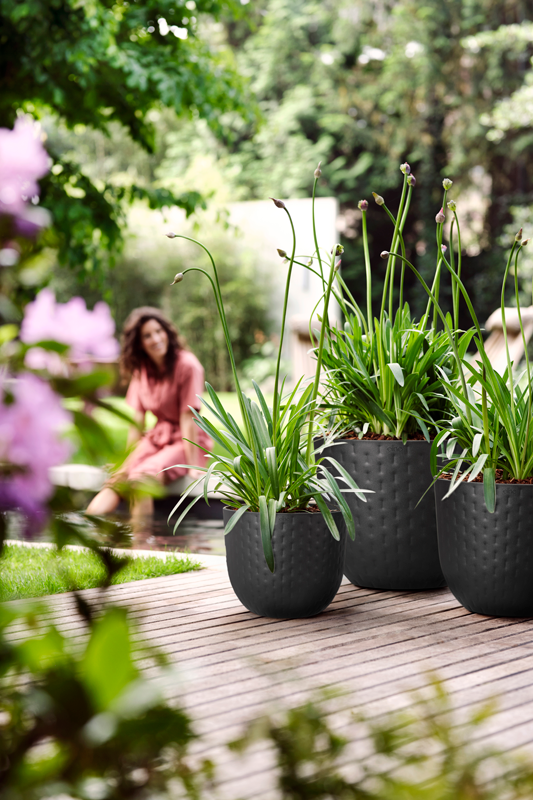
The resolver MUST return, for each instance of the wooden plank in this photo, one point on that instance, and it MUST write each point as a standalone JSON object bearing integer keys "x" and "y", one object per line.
{"x": 376, "y": 646}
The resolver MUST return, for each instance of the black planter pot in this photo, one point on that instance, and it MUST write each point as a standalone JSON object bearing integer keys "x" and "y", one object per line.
{"x": 487, "y": 559}
{"x": 395, "y": 543}
{"x": 308, "y": 564}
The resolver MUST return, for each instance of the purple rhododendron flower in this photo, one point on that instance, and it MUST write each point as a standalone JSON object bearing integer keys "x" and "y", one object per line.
{"x": 23, "y": 160}
{"x": 89, "y": 334}
{"x": 31, "y": 422}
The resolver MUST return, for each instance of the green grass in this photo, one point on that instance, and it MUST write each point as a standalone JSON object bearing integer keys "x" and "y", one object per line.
{"x": 37, "y": 571}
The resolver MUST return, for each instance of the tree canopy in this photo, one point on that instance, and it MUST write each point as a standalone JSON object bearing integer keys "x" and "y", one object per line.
{"x": 103, "y": 63}
{"x": 366, "y": 86}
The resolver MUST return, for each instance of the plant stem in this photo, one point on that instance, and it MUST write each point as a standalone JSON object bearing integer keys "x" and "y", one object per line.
{"x": 368, "y": 277}
{"x": 315, "y": 239}
{"x": 319, "y": 359}
{"x": 282, "y": 332}
{"x": 399, "y": 215}
{"x": 447, "y": 329}
{"x": 507, "y": 353}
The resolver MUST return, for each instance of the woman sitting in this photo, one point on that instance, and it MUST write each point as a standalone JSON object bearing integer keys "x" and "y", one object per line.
{"x": 165, "y": 379}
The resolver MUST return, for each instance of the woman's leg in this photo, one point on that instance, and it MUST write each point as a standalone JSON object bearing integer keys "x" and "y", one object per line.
{"x": 104, "y": 503}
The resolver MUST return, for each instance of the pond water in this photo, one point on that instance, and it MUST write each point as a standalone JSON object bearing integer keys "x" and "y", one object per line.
{"x": 202, "y": 531}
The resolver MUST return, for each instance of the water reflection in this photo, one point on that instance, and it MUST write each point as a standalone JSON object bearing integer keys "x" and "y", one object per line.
{"x": 202, "y": 531}
{"x": 193, "y": 535}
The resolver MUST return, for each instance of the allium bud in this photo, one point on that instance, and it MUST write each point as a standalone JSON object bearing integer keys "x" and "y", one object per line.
{"x": 405, "y": 168}
{"x": 411, "y": 180}
{"x": 337, "y": 265}
{"x": 362, "y": 205}
{"x": 310, "y": 262}
{"x": 339, "y": 250}
{"x": 278, "y": 203}
{"x": 318, "y": 171}
{"x": 443, "y": 248}
{"x": 177, "y": 278}
{"x": 518, "y": 236}
{"x": 440, "y": 216}
{"x": 384, "y": 254}
{"x": 524, "y": 242}
{"x": 452, "y": 205}
{"x": 281, "y": 253}
{"x": 447, "y": 183}
{"x": 378, "y": 198}
{"x": 171, "y": 235}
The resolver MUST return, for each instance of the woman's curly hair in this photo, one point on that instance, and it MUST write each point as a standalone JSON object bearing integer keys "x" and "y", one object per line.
{"x": 133, "y": 357}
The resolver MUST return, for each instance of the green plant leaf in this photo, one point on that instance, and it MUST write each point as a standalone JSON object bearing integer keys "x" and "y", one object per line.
{"x": 107, "y": 665}
{"x": 397, "y": 372}
{"x": 328, "y": 516}
{"x": 489, "y": 488}
{"x": 266, "y": 532}
{"x": 233, "y": 520}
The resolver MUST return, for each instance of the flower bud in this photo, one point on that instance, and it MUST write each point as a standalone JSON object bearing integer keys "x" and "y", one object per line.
{"x": 411, "y": 180}
{"x": 310, "y": 262}
{"x": 337, "y": 265}
{"x": 339, "y": 250}
{"x": 447, "y": 183}
{"x": 177, "y": 278}
{"x": 440, "y": 216}
{"x": 405, "y": 168}
{"x": 452, "y": 205}
{"x": 281, "y": 253}
{"x": 524, "y": 242}
{"x": 443, "y": 248}
{"x": 378, "y": 198}
{"x": 384, "y": 254}
{"x": 362, "y": 205}
{"x": 171, "y": 235}
{"x": 318, "y": 171}
{"x": 518, "y": 236}
{"x": 278, "y": 203}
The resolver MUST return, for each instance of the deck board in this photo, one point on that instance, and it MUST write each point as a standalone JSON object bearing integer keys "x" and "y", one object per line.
{"x": 376, "y": 646}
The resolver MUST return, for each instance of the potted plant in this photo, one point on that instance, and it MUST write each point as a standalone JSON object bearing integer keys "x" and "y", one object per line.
{"x": 286, "y": 515}
{"x": 382, "y": 385}
{"x": 485, "y": 493}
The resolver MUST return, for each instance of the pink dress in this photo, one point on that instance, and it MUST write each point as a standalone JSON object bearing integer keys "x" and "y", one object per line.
{"x": 163, "y": 446}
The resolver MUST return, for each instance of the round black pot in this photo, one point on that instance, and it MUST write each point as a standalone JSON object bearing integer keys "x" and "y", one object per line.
{"x": 308, "y": 564}
{"x": 487, "y": 559}
{"x": 395, "y": 545}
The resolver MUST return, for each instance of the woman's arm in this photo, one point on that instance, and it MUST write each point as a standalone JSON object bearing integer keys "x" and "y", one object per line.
{"x": 135, "y": 433}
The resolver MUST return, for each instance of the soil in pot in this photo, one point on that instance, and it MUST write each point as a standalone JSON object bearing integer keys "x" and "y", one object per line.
{"x": 308, "y": 564}
{"x": 487, "y": 559}
{"x": 395, "y": 545}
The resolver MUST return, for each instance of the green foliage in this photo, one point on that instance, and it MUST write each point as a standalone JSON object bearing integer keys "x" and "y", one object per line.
{"x": 363, "y": 86}
{"x": 383, "y": 374}
{"x": 389, "y": 383}
{"x": 103, "y": 63}
{"x": 34, "y": 572}
{"x": 423, "y": 754}
{"x": 272, "y": 464}
{"x": 87, "y": 724}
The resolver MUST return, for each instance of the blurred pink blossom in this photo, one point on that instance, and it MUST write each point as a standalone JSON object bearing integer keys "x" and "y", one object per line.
{"x": 31, "y": 422}
{"x": 89, "y": 334}
{"x": 23, "y": 160}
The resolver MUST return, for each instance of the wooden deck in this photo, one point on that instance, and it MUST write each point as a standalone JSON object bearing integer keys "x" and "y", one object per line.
{"x": 376, "y": 645}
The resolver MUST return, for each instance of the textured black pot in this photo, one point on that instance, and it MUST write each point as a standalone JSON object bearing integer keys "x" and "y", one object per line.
{"x": 308, "y": 564}
{"x": 487, "y": 559}
{"x": 395, "y": 543}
